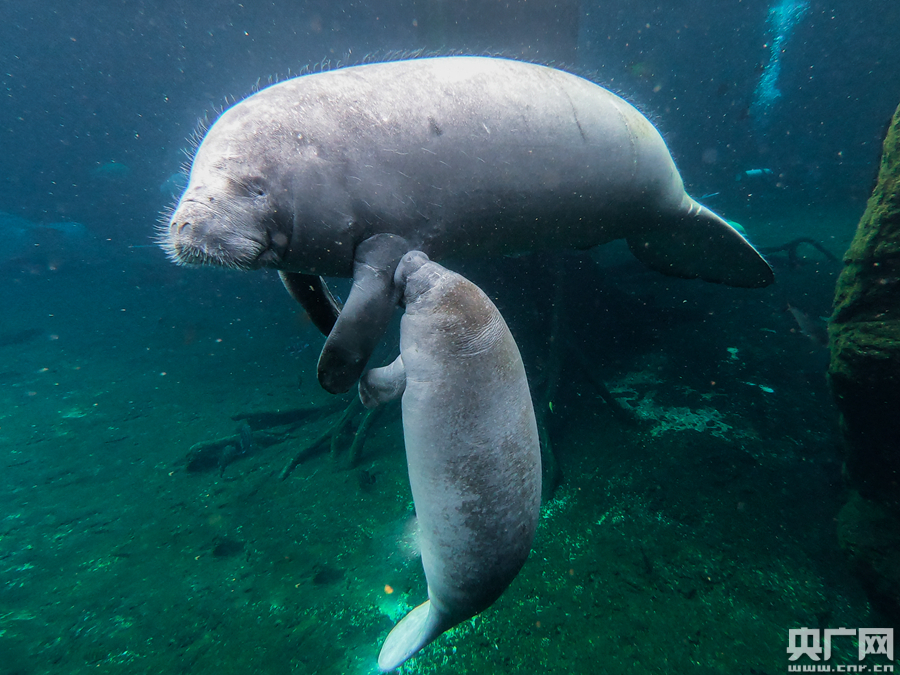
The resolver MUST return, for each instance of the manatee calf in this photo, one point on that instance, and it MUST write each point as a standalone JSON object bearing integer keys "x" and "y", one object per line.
{"x": 340, "y": 173}
{"x": 471, "y": 446}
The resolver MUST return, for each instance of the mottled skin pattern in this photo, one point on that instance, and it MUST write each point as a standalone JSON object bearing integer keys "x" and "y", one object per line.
{"x": 471, "y": 446}
{"x": 450, "y": 156}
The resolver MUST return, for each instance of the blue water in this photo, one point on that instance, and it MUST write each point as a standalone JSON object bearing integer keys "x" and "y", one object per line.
{"x": 691, "y": 543}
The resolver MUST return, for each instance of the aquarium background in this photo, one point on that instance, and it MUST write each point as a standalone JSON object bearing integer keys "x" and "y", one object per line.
{"x": 142, "y": 532}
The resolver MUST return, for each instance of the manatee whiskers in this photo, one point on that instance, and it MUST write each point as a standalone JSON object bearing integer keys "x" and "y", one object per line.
{"x": 199, "y": 234}
{"x": 193, "y": 256}
{"x": 228, "y": 249}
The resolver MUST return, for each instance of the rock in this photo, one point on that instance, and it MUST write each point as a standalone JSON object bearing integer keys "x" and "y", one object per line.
{"x": 865, "y": 337}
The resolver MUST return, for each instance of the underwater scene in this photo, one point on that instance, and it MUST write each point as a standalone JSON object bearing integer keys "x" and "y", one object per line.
{"x": 424, "y": 337}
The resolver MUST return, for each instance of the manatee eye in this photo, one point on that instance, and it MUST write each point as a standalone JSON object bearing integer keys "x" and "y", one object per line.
{"x": 248, "y": 187}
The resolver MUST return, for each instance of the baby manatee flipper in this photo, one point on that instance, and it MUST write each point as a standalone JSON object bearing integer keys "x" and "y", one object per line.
{"x": 381, "y": 385}
{"x": 366, "y": 314}
{"x": 313, "y": 295}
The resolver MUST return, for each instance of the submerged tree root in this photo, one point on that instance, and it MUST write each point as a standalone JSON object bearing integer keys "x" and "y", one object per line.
{"x": 267, "y": 428}
{"x": 331, "y": 435}
{"x": 560, "y": 347}
{"x": 791, "y": 249}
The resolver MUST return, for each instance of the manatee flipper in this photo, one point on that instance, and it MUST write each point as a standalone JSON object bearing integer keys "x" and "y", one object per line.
{"x": 366, "y": 314}
{"x": 699, "y": 244}
{"x": 415, "y": 630}
{"x": 313, "y": 295}
{"x": 381, "y": 385}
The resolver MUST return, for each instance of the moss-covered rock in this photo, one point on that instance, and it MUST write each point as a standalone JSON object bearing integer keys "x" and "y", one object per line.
{"x": 865, "y": 378}
{"x": 865, "y": 338}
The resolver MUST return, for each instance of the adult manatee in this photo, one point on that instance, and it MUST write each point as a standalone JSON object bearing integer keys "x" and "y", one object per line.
{"x": 340, "y": 173}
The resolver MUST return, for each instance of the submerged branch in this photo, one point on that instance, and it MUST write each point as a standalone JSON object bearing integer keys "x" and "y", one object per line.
{"x": 792, "y": 246}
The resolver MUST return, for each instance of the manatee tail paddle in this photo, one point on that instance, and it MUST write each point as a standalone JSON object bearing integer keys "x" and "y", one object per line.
{"x": 415, "y": 630}
{"x": 696, "y": 243}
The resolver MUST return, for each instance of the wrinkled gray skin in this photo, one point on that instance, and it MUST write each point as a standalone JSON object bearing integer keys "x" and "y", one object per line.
{"x": 471, "y": 447}
{"x": 450, "y": 156}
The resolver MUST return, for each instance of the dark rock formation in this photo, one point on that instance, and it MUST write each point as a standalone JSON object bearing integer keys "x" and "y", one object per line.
{"x": 865, "y": 378}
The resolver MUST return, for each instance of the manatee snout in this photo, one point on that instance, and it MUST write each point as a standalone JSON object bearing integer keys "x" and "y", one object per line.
{"x": 198, "y": 234}
{"x": 409, "y": 265}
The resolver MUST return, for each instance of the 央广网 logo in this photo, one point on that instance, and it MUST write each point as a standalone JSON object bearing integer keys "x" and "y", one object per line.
{"x": 816, "y": 644}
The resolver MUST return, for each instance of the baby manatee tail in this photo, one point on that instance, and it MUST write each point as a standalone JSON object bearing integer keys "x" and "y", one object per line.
{"x": 415, "y": 630}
